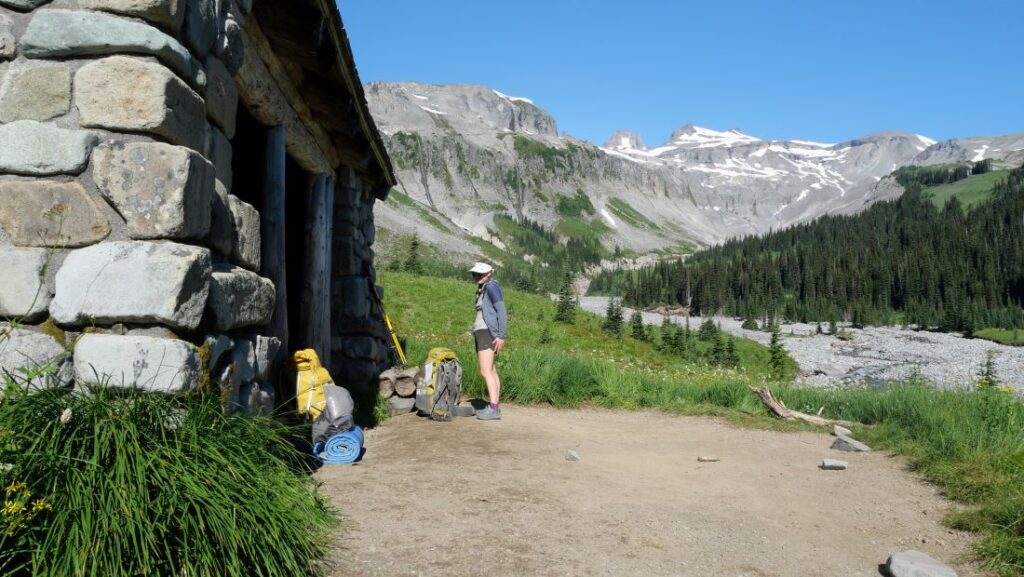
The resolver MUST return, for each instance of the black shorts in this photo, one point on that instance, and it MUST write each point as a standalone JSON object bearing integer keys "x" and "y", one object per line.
{"x": 484, "y": 340}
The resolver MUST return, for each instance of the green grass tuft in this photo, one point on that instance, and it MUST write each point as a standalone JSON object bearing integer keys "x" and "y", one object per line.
{"x": 130, "y": 483}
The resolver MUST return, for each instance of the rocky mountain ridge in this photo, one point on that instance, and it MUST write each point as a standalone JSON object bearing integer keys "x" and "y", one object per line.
{"x": 470, "y": 153}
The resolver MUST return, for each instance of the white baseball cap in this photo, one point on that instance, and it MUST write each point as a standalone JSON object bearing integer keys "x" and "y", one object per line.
{"x": 481, "y": 268}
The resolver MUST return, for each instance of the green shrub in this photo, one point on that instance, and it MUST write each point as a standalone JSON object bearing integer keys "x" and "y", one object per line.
{"x": 130, "y": 483}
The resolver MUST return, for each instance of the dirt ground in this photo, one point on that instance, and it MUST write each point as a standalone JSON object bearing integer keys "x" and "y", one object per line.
{"x": 500, "y": 498}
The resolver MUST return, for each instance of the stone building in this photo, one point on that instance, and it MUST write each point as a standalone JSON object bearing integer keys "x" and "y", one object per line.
{"x": 186, "y": 194}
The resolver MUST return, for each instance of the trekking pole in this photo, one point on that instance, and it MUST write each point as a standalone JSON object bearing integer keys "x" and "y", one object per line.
{"x": 397, "y": 347}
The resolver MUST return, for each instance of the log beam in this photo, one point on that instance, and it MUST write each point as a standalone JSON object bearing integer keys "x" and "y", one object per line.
{"x": 316, "y": 298}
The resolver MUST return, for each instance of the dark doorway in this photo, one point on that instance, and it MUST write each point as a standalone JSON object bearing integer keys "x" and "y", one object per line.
{"x": 247, "y": 159}
{"x": 297, "y": 185}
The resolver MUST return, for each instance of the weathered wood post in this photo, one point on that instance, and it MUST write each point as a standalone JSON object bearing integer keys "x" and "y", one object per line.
{"x": 272, "y": 231}
{"x": 316, "y": 297}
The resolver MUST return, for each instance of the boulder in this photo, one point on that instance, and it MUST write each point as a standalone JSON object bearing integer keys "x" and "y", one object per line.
{"x": 34, "y": 148}
{"x": 133, "y": 282}
{"x": 850, "y": 445}
{"x": 916, "y": 564}
{"x": 221, "y": 233}
{"x": 166, "y": 13}
{"x": 54, "y": 33}
{"x": 245, "y": 226}
{"x": 840, "y": 431}
{"x": 243, "y": 357}
{"x": 23, "y": 293}
{"x": 161, "y": 190}
{"x": 221, "y": 96}
{"x": 834, "y": 465}
{"x": 129, "y": 94}
{"x": 49, "y": 213}
{"x": 199, "y": 30}
{"x": 33, "y": 359}
{"x": 265, "y": 349}
{"x": 23, "y": 4}
{"x": 35, "y": 93}
{"x": 230, "y": 46}
{"x": 401, "y": 405}
{"x": 216, "y": 346}
{"x": 8, "y": 43}
{"x": 256, "y": 399}
{"x": 356, "y": 301}
{"x": 239, "y": 298}
{"x": 147, "y": 363}
{"x": 220, "y": 152}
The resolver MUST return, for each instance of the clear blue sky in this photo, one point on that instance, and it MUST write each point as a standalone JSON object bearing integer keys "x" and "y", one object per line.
{"x": 824, "y": 70}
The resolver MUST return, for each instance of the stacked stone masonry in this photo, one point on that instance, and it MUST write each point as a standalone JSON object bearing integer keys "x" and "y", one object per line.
{"x": 127, "y": 260}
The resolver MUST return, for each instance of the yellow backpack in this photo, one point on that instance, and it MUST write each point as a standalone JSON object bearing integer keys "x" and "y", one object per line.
{"x": 310, "y": 378}
{"x": 440, "y": 389}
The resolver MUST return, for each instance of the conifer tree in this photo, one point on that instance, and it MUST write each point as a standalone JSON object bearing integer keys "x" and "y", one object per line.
{"x": 613, "y": 319}
{"x": 565, "y": 311}
{"x": 413, "y": 262}
{"x": 718, "y": 351}
{"x": 636, "y": 323}
{"x": 776, "y": 355}
{"x": 732, "y": 358}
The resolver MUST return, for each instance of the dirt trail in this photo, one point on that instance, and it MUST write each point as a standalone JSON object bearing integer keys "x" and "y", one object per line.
{"x": 500, "y": 498}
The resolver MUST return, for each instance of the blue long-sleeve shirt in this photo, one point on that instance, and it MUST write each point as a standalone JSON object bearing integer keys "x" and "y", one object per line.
{"x": 493, "y": 309}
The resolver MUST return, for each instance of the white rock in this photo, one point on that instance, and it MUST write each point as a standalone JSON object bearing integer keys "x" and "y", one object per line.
{"x": 917, "y": 564}
{"x": 135, "y": 95}
{"x": 840, "y": 431}
{"x": 834, "y": 465}
{"x": 571, "y": 455}
{"x": 133, "y": 282}
{"x": 245, "y": 247}
{"x": 23, "y": 293}
{"x": 54, "y": 33}
{"x": 148, "y": 363}
{"x": 161, "y": 190}
{"x": 239, "y": 298}
{"x": 850, "y": 445}
{"x": 166, "y": 12}
{"x": 23, "y": 352}
{"x": 34, "y": 148}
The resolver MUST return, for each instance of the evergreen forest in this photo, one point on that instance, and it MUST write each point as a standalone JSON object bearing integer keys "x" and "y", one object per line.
{"x": 903, "y": 261}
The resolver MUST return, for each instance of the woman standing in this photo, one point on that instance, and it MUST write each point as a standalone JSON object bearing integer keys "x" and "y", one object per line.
{"x": 489, "y": 334}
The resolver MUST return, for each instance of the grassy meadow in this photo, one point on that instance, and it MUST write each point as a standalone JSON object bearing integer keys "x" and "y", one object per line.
{"x": 969, "y": 442}
{"x": 969, "y": 191}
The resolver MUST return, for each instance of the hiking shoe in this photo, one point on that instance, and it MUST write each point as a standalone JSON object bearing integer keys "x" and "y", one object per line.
{"x": 489, "y": 414}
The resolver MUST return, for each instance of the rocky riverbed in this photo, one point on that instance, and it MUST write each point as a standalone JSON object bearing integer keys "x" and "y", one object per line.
{"x": 874, "y": 354}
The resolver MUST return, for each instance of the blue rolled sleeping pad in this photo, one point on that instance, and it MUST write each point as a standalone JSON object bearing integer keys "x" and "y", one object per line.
{"x": 340, "y": 448}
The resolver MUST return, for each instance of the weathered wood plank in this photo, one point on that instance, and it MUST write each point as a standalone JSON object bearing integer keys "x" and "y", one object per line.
{"x": 316, "y": 298}
{"x": 272, "y": 231}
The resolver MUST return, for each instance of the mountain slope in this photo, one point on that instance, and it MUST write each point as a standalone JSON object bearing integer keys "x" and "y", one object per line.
{"x": 469, "y": 154}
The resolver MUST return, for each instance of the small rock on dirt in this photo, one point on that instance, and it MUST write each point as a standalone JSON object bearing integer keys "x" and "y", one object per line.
{"x": 916, "y": 564}
{"x": 834, "y": 465}
{"x": 708, "y": 459}
{"x": 571, "y": 455}
{"x": 850, "y": 445}
{"x": 840, "y": 431}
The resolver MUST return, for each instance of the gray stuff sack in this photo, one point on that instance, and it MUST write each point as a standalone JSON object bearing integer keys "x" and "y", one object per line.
{"x": 337, "y": 414}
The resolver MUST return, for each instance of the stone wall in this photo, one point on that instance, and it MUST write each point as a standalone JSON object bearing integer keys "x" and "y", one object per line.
{"x": 125, "y": 257}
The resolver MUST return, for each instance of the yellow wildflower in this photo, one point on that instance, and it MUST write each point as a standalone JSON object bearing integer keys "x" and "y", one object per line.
{"x": 12, "y": 508}
{"x": 15, "y": 487}
{"x": 41, "y": 504}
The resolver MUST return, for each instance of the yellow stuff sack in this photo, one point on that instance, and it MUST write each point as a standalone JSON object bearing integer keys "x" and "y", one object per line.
{"x": 310, "y": 378}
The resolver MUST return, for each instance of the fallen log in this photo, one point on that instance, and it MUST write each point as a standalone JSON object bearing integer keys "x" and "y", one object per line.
{"x": 387, "y": 382}
{"x": 405, "y": 382}
{"x": 783, "y": 412}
